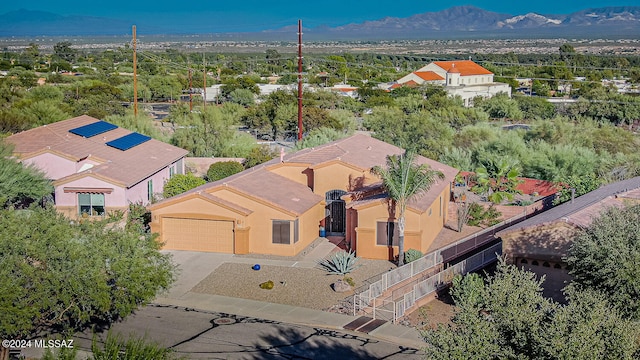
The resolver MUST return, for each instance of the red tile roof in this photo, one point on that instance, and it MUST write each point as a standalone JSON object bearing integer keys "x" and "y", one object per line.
{"x": 465, "y": 67}
{"x": 528, "y": 186}
{"x": 428, "y": 75}
{"x": 127, "y": 167}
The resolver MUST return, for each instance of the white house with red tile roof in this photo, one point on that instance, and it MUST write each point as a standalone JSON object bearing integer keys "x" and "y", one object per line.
{"x": 97, "y": 167}
{"x": 462, "y": 78}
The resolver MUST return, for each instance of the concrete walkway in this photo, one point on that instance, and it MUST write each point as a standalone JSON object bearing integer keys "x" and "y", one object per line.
{"x": 195, "y": 266}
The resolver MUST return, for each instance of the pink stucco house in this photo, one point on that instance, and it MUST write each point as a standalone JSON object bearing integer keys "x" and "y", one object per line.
{"x": 97, "y": 167}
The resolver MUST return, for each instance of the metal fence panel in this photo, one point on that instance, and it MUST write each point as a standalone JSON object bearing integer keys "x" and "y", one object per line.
{"x": 409, "y": 300}
{"x": 426, "y": 287}
{"x": 398, "y": 275}
{"x": 421, "y": 265}
{"x": 376, "y": 289}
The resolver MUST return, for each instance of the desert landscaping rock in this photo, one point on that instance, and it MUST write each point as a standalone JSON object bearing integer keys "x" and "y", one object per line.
{"x": 341, "y": 286}
{"x": 304, "y": 287}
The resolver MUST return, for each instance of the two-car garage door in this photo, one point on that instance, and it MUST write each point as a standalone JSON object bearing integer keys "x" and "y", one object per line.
{"x": 197, "y": 235}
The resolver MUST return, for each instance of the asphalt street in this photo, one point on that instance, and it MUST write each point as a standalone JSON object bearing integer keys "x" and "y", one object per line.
{"x": 198, "y": 334}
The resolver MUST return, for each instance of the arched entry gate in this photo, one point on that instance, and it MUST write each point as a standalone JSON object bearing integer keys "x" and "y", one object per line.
{"x": 335, "y": 212}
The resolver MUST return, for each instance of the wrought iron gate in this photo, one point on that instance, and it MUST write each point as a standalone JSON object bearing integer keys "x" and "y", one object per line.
{"x": 335, "y": 212}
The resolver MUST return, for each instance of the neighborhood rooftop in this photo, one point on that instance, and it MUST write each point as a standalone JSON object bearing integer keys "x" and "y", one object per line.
{"x": 360, "y": 151}
{"x": 583, "y": 208}
{"x": 142, "y": 158}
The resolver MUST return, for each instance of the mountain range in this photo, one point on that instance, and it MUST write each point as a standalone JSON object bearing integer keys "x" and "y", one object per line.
{"x": 452, "y": 23}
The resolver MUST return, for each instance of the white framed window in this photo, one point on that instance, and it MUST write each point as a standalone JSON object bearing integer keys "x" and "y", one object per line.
{"x": 90, "y": 204}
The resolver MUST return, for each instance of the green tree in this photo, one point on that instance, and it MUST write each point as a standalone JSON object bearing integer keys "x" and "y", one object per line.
{"x": 62, "y": 276}
{"x": 259, "y": 155}
{"x": 605, "y": 255}
{"x": 180, "y": 183}
{"x": 64, "y": 51}
{"x": 223, "y": 169}
{"x": 501, "y": 107}
{"x": 243, "y": 97}
{"x": 405, "y": 180}
{"x": 506, "y": 317}
{"x": 20, "y": 184}
{"x": 497, "y": 180}
{"x": 319, "y": 136}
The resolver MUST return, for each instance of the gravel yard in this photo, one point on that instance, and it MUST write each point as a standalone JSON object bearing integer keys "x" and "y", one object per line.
{"x": 304, "y": 287}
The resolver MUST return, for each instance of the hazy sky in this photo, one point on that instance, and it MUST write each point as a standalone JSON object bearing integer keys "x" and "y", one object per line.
{"x": 264, "y": 14}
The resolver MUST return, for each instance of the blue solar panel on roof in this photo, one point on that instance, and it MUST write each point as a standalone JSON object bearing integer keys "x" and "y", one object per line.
{"x": 93, "y": 129}
{"x": 128, "y": 141}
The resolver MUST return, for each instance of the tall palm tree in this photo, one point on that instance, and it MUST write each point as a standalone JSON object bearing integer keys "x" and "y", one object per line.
{"x": 404, "y": 181}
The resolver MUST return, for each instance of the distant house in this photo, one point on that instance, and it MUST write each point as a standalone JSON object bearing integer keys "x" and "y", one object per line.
{"x": 542, "y": 242}
{"x": 97, "y": 167}
{"x": 462, "y": 78}
{"x": 278, "y": 207}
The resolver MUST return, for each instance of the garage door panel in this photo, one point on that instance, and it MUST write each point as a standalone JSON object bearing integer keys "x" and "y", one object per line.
{"x": 198, "y": 235}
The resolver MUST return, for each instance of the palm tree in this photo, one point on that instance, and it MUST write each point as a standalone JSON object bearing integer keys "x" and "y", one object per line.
{"x": 404, "y": 181}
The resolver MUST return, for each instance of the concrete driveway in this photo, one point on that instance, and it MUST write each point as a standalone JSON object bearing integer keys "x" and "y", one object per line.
{"x": 193, "y": 266}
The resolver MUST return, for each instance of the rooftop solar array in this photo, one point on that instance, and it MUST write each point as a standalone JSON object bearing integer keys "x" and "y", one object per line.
{"x": 93, "y": 129}
{"x": 128, "y": 141}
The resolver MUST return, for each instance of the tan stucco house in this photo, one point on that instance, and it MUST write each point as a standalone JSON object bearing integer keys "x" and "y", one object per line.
{"x": 278, "y": 207}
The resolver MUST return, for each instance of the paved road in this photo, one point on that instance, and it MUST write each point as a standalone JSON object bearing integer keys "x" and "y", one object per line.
{"x": 198, "y": 334}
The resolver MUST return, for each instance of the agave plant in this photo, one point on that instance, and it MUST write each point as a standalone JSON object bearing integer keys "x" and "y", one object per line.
{"x": 340, "y": 263}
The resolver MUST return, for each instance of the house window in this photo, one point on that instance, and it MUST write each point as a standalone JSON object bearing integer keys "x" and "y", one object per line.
{"x": 440, "y": 206}
{"x": 387, "y": 233}
{"x": 90, "y": 204}
{"x": 172, "y": 171}
{"x": 281, "y": 231}
{"x": 149, "y": 189}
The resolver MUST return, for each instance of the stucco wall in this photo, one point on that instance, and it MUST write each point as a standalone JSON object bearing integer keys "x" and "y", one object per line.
{"x": 295, "y": 172}
{"x": 260, "y": 222}
{"x": 139, "y": 191}
{"x": 421, "y": 229}
{"x": 54, "y": 166}
{"x": 548, "y": 241}
{"x": 69, "y": 200}
{"x": 337, "y": 176}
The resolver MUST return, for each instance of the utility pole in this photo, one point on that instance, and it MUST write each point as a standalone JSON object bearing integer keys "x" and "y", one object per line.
{"x": 204, "y": 83}
{"x": 190, "y": 92}
{"x": 299, "y": 80}
{"x": 135, "y": 75}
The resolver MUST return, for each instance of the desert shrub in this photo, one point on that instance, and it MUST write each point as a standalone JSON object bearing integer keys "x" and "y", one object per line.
{"x": 412, "y": 255}
{"x": 180, "y": 183}
{"x": 115, "y": 348}
{"x": 223, "y": 169}
{"x": 479, "y": 216}
{"x": 349, "y": 280}
{"x": 340, "y": 263}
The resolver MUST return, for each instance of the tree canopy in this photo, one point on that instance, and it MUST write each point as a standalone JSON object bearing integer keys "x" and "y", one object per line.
{"x": 506, "y": 317}
{"x": 58, "y": 275}
{"x": 19, "y": 183}
{"x": 605, "y": 257}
